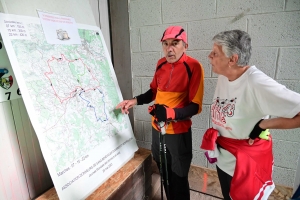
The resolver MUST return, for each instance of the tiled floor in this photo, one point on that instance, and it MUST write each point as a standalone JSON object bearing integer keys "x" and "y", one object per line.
{"x": 206, "y": 181}
{"x": 157, "y": 191}
{"x": 194, "y": 196}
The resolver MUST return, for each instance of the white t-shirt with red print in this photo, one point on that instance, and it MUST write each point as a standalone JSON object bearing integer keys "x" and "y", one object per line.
{"x": 238, "y": 105}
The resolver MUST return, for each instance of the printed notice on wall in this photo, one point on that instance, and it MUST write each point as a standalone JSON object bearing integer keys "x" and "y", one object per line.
{"x": 59, "y": 29}
{"x": 70, "y": 92}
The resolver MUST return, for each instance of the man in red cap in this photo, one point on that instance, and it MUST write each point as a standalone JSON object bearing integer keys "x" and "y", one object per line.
{"x": 177, "y": 89}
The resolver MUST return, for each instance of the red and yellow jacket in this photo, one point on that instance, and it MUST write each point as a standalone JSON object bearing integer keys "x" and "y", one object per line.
{"x": 176, "y": 85}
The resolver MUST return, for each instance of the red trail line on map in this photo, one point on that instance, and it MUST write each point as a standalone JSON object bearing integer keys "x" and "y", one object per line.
{"x": 71, "y": 95}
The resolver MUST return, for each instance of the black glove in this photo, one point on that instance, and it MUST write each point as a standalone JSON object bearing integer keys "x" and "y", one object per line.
{"x": 163, "y": 113}
{"x": 151, "y": 110}
{"x": 256, "y": 130}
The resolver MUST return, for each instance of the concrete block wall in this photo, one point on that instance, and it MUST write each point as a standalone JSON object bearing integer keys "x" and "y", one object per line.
{"x": 274, "y": 26}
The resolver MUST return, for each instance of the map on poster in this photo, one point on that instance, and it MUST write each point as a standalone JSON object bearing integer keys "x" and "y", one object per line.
{"x": 70, "y": 92}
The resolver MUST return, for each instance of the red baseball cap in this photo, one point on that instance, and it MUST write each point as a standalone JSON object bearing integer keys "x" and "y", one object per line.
{"x": 174, "y": 32}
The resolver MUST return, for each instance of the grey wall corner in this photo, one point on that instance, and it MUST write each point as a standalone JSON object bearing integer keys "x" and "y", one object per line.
{"x": 121, "y": 56}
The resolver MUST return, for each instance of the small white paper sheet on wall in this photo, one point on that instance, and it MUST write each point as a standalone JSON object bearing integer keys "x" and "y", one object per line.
{"x": 59, "y": 29}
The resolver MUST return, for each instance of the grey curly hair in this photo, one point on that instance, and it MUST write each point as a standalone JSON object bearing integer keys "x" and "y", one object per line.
{"x": 235, "y": 42}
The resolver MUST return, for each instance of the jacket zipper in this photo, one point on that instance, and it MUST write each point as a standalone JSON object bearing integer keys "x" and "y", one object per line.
{"x": 170, "y": 77}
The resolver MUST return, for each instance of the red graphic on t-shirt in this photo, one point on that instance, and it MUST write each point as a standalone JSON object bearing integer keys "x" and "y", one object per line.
{"x": 222, "y": 108}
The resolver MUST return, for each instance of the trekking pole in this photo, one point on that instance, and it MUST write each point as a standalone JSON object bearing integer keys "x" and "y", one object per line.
{"x": 162, "y": 126}
{"x": 161, "y": 168}
{"x": 162, "y": 144}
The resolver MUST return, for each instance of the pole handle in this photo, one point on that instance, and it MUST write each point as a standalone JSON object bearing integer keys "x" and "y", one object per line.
{"x": 162, "y": 127}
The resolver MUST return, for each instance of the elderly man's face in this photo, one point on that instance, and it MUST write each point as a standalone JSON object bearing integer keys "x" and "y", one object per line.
{"x": 173, "y": 49}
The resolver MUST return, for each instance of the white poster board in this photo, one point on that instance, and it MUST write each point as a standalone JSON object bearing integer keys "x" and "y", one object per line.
{"x": 70, "y": 92}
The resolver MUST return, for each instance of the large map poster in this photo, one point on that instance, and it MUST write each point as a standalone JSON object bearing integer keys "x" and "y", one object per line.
{"x": 70, "y": 92}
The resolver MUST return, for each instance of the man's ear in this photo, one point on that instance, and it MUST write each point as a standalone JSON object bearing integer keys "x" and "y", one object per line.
{"x": 186, "y": 45}
{"x": 233, "y": 59}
